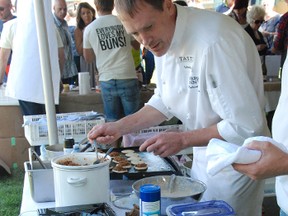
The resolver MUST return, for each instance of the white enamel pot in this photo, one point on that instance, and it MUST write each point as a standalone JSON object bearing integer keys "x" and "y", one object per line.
{"x": 86, "y": 183}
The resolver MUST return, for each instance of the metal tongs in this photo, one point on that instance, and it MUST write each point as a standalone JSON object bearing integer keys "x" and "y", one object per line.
{"x": 31, "y": 152}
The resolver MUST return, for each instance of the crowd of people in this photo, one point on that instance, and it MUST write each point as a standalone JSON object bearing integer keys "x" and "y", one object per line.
{"x": 267, "y": 28}
{"x": 201, "y": 70}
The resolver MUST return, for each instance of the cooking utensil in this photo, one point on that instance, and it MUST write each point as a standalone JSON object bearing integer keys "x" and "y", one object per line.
{"x": 102, "y": 159}
{"x": 81, "y": 184}
{"x": 32, "y": 152}
{"x": 171, "y": 183}
{"x": 88, "y": 145}
{"x": 96, "y": 149}
{"x": 30, "y": 158}
{"x": 182, "y": 186}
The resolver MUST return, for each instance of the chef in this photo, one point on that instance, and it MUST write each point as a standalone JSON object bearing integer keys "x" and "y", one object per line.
{"x": 210, "y": 78}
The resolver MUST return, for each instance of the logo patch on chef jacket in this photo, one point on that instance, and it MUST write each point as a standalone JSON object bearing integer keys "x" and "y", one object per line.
{"x": 186, "y": 59}
{"x": 193, "y": 82}
{"x": 187, "y": 64}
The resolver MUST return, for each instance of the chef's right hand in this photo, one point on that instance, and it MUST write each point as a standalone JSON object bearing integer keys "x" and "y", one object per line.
{"x": 105, "y": 134}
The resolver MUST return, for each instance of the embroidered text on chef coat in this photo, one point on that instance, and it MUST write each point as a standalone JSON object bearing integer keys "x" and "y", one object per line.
{"x": 187, "y": 63}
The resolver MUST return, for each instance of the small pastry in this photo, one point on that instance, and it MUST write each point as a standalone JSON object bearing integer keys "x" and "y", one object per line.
{"x": 125, "y": 164}
{"x": 126, "y": 151}
{"x": 141, "y": 166}
{"x": 119, "y": 169}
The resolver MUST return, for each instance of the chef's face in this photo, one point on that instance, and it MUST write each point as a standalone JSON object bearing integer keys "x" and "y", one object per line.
{"x": 151, "y": 27}
{"x": 60, "y": 9}
{"x": 5, "y": 10}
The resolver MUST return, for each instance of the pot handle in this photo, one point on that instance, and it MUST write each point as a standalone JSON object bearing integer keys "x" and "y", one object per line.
{"x": 77, "y": 181}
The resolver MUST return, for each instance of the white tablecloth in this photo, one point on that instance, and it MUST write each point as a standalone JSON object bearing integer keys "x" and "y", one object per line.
{"x": 29, "y": 207}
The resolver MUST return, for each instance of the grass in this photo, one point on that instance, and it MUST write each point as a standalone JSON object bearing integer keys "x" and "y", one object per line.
{"x": 11, "y": 188}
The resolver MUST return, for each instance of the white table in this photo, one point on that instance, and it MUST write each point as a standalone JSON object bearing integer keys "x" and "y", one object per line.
{"x": 29, "y": 207}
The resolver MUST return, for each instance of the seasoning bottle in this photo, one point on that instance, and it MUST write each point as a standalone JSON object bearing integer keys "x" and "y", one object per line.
{"x": 68, "y": 145}
{"x": 76, "y": 148}
{"x": 150, "y": 200}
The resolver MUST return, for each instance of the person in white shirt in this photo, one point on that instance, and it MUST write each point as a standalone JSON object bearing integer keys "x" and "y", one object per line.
{"x": 212, "y": 84}
{"x": 274, "y": 162}
{"x": 106, "y": 42}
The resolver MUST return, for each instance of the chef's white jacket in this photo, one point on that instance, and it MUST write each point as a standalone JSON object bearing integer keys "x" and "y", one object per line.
{"x": 212, "y": 74}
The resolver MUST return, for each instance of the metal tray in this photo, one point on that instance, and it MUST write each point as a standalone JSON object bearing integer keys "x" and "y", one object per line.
{"x": 90, "y": 209}
{"x": 41, "y": 182}
{"x": 156, "y": 166}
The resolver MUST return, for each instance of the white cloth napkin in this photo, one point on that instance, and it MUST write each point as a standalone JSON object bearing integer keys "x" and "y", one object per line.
{"x": 221, "y": 154}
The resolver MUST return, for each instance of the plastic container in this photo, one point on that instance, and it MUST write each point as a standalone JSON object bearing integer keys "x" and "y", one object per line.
{"x": 41, "y": 182}
{"x": 150, "y": 196}
{"x": 209, "y": 208}
{"x": 76, "y": 148}
{"x": 76, "y": 125}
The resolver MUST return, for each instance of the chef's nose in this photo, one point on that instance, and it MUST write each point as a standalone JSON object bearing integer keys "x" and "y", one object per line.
{"x": 145, "y": 39}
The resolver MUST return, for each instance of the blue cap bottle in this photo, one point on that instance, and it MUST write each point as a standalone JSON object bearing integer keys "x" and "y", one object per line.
{"x": 150, "y": 200}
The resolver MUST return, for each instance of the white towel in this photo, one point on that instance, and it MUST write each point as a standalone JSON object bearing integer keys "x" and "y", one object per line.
{"x": 221, "y": 154}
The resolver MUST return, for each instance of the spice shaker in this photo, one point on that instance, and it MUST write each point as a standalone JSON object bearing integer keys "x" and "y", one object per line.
{"x": 68, "y": 145}
{"x": 150, "y": 200}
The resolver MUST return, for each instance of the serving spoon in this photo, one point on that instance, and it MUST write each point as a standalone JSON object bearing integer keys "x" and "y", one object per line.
{"x": 102, "y": 159}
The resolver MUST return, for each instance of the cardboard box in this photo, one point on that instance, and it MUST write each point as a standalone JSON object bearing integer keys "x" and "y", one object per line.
{"x": 14, "y": 151}
{"x": 11, "y": 121}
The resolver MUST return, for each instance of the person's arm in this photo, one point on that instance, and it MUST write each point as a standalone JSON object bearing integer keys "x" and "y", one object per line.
{"x": 278, "y": 44}
{"x": 61, "y": 57}
{"x": 273, "y": 162}
{"x": 88, "y": 52}
{"x": 89, "y": 55}
{"x": 4, "y": 56}
{"x": 61, "y": 52}
{"x": 170, "y": 143}
{"x": 79, "y": 41}
{"x": 110, "y": 132}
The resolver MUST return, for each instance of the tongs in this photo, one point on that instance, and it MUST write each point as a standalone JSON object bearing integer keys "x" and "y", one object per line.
{"x": 31, "y": 152}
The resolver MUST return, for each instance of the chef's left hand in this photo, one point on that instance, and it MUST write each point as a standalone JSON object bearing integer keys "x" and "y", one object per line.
{"x": 164, "y": 144}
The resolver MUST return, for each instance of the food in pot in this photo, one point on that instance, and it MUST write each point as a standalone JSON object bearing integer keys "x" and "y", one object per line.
{"x": 69, "y": 163}
{"x": 119, "y": 169}
{"x": 141, "y": 166}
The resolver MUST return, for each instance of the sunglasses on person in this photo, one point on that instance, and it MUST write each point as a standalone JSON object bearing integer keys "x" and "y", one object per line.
{"x": 258, "y": 21}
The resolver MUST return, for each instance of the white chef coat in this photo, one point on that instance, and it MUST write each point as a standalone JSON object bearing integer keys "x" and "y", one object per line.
{"x": 212, "y": 74}
{"x": 25, "y": 78}
{"x": 279, "y": 133}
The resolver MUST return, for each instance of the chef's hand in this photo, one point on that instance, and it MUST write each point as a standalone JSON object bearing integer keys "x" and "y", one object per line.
{"x": 273, "y": 162}
{"x": 105, "y": 133}
{"x": 164, "y": 144}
